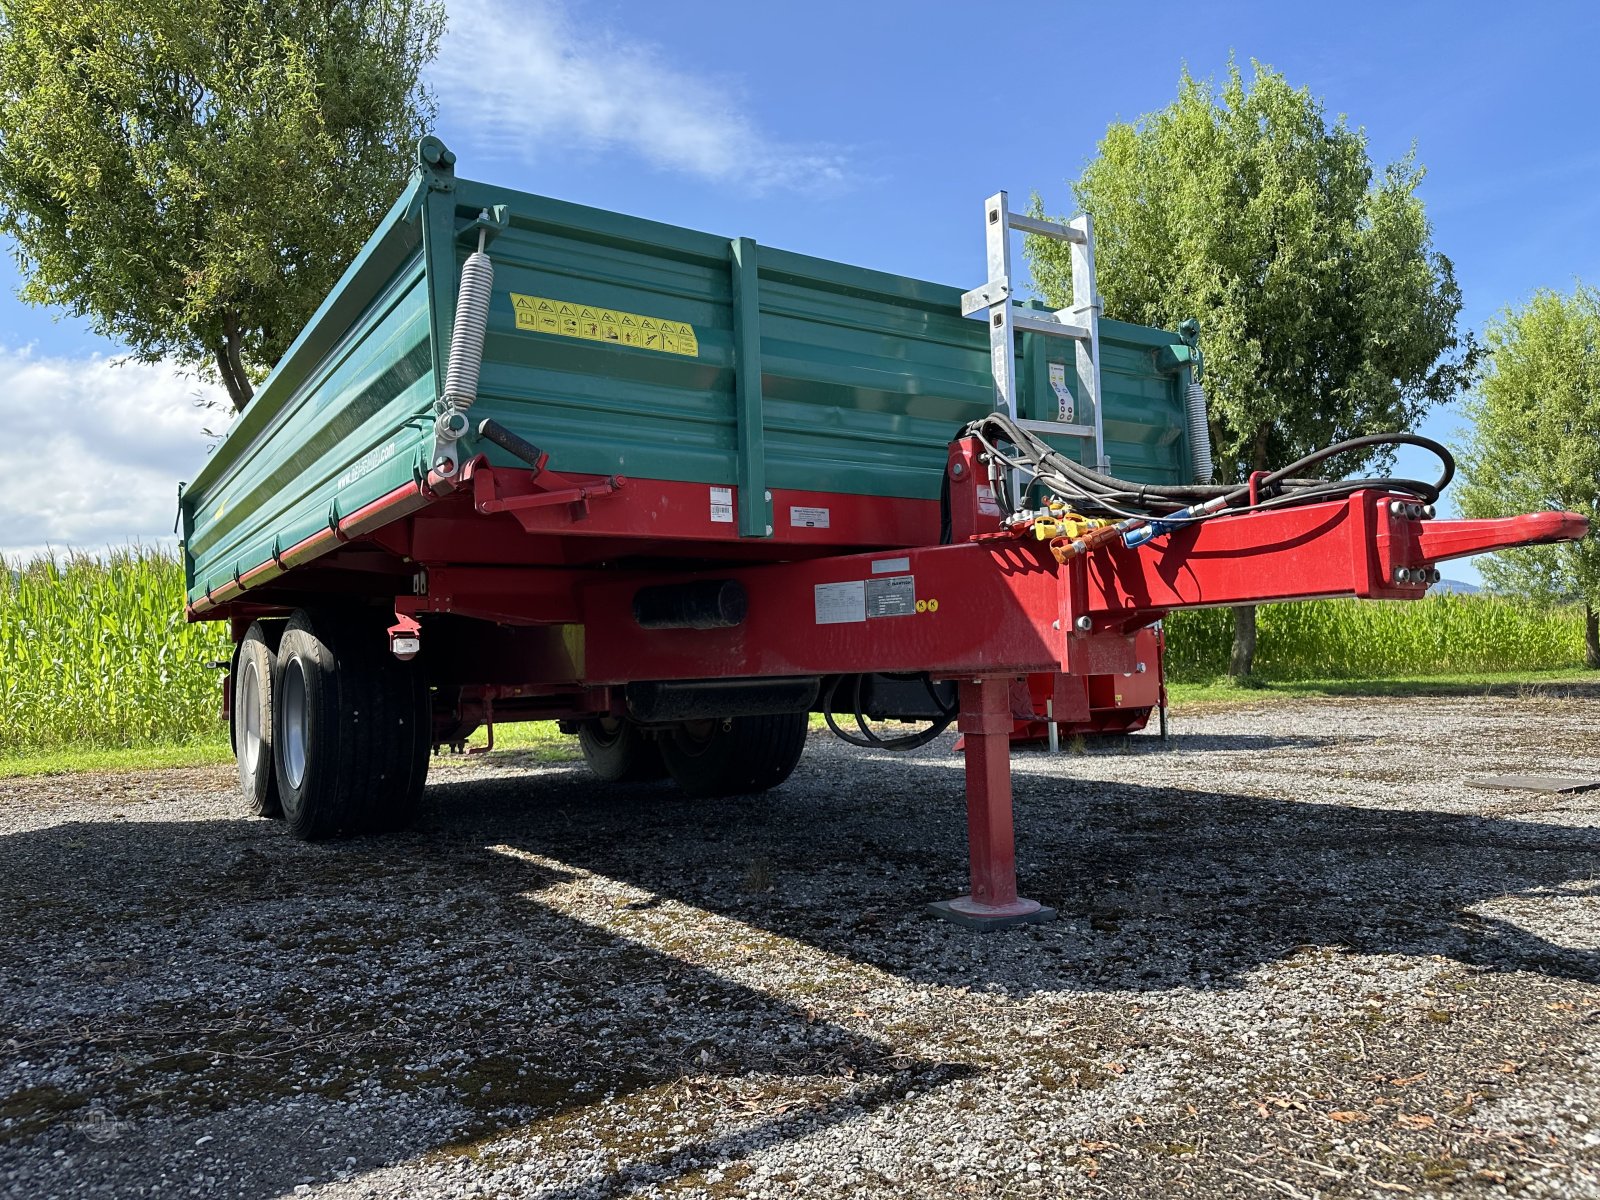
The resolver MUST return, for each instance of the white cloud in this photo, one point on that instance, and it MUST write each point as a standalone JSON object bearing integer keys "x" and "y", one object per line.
{"x": 91, "y": 451}
{"x": 527, "y": 80}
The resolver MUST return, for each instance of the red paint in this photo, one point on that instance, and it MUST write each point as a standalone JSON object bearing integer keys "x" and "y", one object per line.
{"x": 1440, "y": 541}
{"x": 595, "y": 506}
{"x": 985, "y": 724}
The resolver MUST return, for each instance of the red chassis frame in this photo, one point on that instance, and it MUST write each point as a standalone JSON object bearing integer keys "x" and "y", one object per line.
{"x": 985, "y": 610}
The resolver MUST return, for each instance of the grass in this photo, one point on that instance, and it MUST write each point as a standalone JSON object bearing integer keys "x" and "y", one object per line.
{"x": 538, "y": 741}
{"x": 1224, "y": 691}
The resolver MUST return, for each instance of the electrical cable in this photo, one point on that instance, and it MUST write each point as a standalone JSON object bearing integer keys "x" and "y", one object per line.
{"x": 870, "y": 740}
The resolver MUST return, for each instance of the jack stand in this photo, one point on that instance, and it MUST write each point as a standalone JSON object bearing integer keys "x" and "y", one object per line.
{"x": 993, "y": 903}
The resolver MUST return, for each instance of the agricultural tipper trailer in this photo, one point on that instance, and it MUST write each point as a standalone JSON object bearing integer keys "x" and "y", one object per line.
{"x": 532, "y": 460}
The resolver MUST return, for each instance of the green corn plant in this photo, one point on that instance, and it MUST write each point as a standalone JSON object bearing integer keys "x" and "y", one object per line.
{"x": 95, "y": 653}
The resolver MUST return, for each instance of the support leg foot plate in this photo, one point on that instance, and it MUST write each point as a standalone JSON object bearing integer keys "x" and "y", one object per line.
{"x": 964, "y": 910}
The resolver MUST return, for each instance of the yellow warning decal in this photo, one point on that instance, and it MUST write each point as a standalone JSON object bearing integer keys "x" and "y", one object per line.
{"x": 564, "y": 318}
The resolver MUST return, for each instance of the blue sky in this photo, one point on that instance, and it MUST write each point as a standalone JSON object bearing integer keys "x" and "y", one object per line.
{"x": 871, "y": 132}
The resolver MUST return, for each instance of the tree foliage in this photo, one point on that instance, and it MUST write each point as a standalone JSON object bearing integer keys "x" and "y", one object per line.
{"x": 193, "y": 175}
{"x": 1325, "y": 312}
{"x": 1535, "y": 444}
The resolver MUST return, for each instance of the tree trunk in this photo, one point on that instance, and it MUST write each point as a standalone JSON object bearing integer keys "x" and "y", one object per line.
{"x": 1591, "y": 636}
{"x": 230, "y": 363}
{"x": 1244, "y": 641}
{"x": 1242, "y": 661}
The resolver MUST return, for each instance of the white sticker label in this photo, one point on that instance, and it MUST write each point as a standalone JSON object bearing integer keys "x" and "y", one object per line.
{"x": 888, "y": 566}
{"x": 808, "y": 518}
{"x": 722, "y": 505}
{"x": 841, "y": 603}
{"x": 986, "y": 501}
{"x": 1058, "y": 385}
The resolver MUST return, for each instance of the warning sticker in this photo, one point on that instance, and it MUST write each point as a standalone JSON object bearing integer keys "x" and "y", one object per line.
{"x": 895, "y": 596}
{"x": 986, "y": 501}
{"x": 722, "y": 505}
{"x": 808, "y": 518}
{"x": 1058, "y": 385}
{"x": 564, "y": 318}
{"x": 841, "y": 603}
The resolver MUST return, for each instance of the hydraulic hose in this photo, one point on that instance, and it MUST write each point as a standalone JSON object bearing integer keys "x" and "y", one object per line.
{"x": 1096, "y": 494}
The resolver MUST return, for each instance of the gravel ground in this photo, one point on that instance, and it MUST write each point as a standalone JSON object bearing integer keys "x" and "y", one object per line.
{"x": 1297, "y": 957}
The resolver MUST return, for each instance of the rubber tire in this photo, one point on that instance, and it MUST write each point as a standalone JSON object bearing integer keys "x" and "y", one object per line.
{"x": 255, "y": 656}
{"x": 620, "y": 755}
{"x": 752, "y": 755}
{"x": 365, "y": 730}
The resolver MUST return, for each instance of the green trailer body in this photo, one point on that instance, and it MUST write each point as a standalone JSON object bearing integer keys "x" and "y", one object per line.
{"x": 623, "y": 346}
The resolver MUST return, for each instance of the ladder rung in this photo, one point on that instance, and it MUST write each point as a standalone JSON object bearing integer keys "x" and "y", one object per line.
{"x": 1060, "y": 428}
{"x": 1049, "y": 229}
{"x": 1050, "y": 326}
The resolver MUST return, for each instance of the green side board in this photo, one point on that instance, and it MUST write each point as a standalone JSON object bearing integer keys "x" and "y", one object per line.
{"x": 805, "y": 373}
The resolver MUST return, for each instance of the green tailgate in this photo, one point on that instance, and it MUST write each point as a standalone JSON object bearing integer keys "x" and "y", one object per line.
{"x": 626, "y": 359}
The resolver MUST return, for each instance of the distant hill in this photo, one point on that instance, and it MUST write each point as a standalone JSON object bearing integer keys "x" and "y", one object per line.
{"x": 1457, "y": 586}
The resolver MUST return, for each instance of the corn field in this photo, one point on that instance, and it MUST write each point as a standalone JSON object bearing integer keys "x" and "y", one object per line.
{"x": 95, "y": 653}
{"x": 1444, "y": 634}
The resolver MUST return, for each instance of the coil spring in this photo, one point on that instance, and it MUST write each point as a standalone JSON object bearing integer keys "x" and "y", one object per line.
{"x": 466, "y": 338}
{"x": 1199, "y": 433}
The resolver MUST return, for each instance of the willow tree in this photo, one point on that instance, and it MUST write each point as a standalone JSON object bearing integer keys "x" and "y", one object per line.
{"x": 193, "y": 175}
{"x": 1325, "y": 311}
{"x": 1535, "y": 443}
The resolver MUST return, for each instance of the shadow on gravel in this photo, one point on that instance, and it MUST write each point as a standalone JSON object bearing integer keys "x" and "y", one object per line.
{"x": 1156, "y": 887}
{"x": 212, "y": 1006}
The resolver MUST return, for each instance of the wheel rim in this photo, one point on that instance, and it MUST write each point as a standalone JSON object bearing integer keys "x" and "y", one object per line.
{"x": 695, "y": 738}
{"x": 250, "y": 701}
{"x": 605, "y": 731}
{"x": 294, "y": 736}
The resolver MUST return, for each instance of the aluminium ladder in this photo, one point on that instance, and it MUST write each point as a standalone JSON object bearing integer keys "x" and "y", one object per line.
{"x": 1079, "y": 323}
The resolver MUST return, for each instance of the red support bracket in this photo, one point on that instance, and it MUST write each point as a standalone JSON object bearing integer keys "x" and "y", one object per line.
{"x": 993, "y": 903}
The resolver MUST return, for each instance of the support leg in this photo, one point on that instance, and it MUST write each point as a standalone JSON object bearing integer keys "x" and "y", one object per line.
{"x": 993, "y": 903}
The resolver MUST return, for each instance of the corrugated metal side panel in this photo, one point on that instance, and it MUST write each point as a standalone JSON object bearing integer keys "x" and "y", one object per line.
{"x": 865, "y": 375}
{"x": 350, "y": 432}
{"x": 593, "y": 406}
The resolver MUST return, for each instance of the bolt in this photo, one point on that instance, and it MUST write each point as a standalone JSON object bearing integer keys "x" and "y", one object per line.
{"x": 957, "y": 470}
{"x": 1056, "y": 625}
{"x": 769, "y": 530}
{"x": 1083, "y": 624}
{"x": 1138, "y": 668}
{"x": 1403, "y": 575}
{"x": 769, "y": 497}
